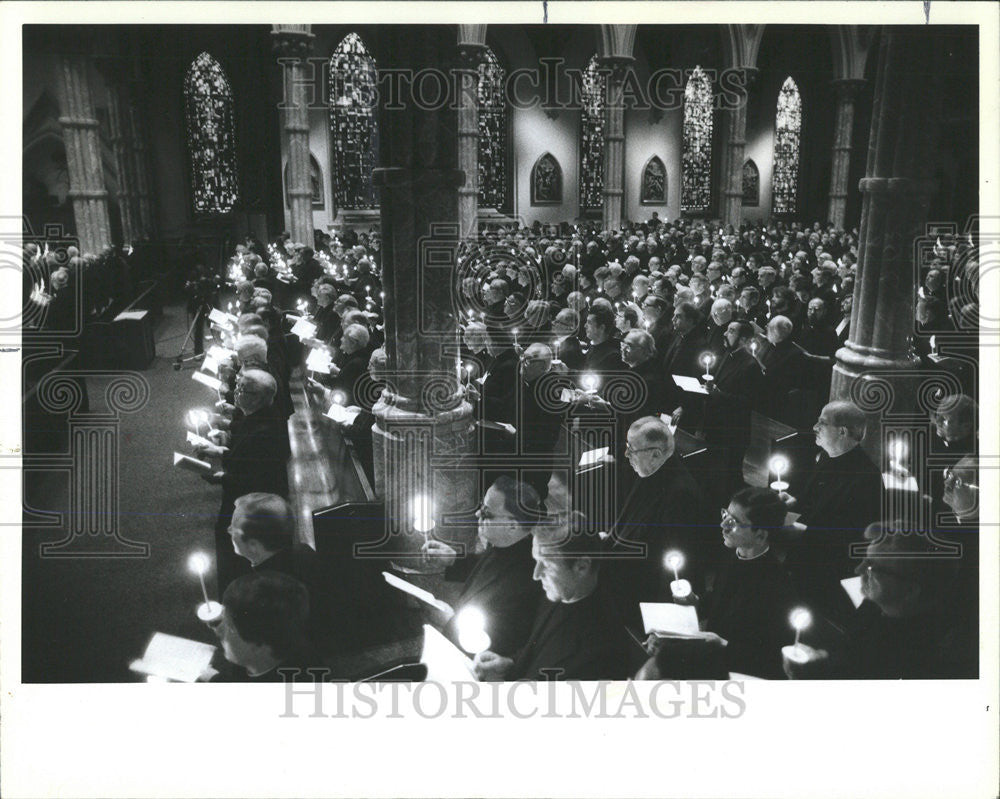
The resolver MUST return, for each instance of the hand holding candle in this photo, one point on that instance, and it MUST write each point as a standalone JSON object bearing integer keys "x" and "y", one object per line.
{"x": 470, "y": 623}
{"x": 779, "y": 465}
{"x": 800, "y": 619}
{"x": 680, "y": 589}
{"x": 423, "y": 515}
{"x": 209, "y": 611}
{"x": 707, "y": 360}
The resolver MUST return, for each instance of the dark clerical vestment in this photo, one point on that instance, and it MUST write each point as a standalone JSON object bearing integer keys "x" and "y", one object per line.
{"x": 749, "y": 606}
{"x": 582, "y": 640}
{"x": 501, "y": 586}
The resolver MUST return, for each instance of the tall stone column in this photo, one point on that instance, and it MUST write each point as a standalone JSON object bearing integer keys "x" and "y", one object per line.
{"x": 423, "y": 431}
{"x": 118, "y": 123}
{"x": 470, "y": 55}
{"x": 139, "y": 155}
{"x": 614, "y": 141}
{"x": 896, "y": 194}
{"x": 734, "y": 148}
{"x": 83, "y": 153}
{"x": 293, "y": 44}
{"x": 847, "y": 92}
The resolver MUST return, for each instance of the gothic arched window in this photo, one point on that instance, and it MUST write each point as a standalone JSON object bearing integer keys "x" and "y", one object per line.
{"x": 696, "y": 185}
{"x": 654, "y": 182}
{"x": 787, "y": 132}
{"x": 208, "y": 107}
{"x": 546, "y": 181}
{"x": 353, "y": 126}
{"x": 592, "y": 96}
{"x": 492, "y": 132}
{"x": 751, "y": 184}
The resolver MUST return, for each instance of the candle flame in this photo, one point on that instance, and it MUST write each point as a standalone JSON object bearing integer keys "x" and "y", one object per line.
{"x": 423, "y": 514}
{"x": 674, "y": 560}
{"x": 470, "y": 623}
{"x": 778, "y": 464}
{"x": 800, "y": 619}
{"x": 198, "y": 562}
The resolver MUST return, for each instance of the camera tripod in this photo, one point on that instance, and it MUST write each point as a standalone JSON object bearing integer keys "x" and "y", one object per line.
{"x": 180, "y": 360}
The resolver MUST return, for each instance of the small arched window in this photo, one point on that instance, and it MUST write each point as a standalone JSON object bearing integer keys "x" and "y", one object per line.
{"x": 751, "y": 184}
{"x": 654, "y": 182}
{"x": 546, "y": 181}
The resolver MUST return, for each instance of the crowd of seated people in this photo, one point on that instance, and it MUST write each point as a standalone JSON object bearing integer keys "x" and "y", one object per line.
{"x": 712, "y": 328}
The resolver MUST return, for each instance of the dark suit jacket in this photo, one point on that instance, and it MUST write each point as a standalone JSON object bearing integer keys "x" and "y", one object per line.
{"x": 841, "y": 497}
{"x": 667, "y": 510}
{"x": 500, "y": 584}
{"x": 582, "y": 640}
{"x": 682, "y": 354}
{"x": 785, "y": 369}
{"x": 257, "y": 457}
{"x": 604, "y": 358}
{"x": 738, "y": 381}
{"x": 569, "y": 351}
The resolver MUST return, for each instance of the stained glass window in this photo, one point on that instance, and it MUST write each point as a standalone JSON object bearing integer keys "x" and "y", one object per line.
{"x": 696, "y": 186}
{"x": 751, "y": 184}
{"x": 208, "y": 107}
{"x": 592, "y": 96}
{"x": 353, "y": 126}
{"x": 492, "y": 132}
{"x": 787, "y": 131}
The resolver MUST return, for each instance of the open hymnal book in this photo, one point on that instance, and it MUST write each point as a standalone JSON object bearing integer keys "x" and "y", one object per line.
{"x": 689, "y": 384}
{"x": 341, "y": 415}
{"x": 303, "y": 329}
{"x": 207, "y": 380}
{"x": 190, "y": 464}
{"x": 501, "y": 426}
{"x": 852, "y": 585}
{"x": 419, "y": 593}
{"x": 667, "y": 617}
{"x": 221, "y": 318}
{"x": 595, "y": 457}
{"x": 171, "y": 658}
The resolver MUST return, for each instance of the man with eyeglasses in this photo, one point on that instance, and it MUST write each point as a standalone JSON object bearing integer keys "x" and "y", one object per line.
{"x": 665, "y": 509}
{"x": 909, "y": 626}
{"x": 498, "y": 579}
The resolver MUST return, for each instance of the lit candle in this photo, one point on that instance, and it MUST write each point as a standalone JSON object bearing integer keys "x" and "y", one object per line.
{"x": 898, "y": 450}
{"x": 934, "y": 350}
{"x": 707, "y": 359}
{"x": 753, "y": 348}
{"x": 590, "y": 382}
{"x": 470, "y": 624}
{"x": 468, "y": 372}
{"x": 800, "y": 619}
{"x": 339, "y": 398}
{"x": 779, "y": 465}
{"x": 209, "y": 611}
{"x": 423, "y": 515}
{"x": 515, "y": 336}
{"x": 678, "y": 588}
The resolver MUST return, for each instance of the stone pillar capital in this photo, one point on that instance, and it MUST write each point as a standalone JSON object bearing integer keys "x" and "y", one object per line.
{"x": 617, "y": 64}
{"x": 292, "y": 43}
{"x": 471, "y": 55}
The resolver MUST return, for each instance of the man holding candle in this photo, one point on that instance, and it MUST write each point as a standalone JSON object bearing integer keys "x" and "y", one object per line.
{"x": 263, "y": 629}
{"x": 908, "y": 627}
{"x": 785, "y": 365}
{"x": 732, "y": 396}
{"x": 665, "y": 509}
{"x": 498, "y": 581}
{"x": 838, "y": 500}
{"x": 576, "y": 634}
{"x": 683, "y": 352}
